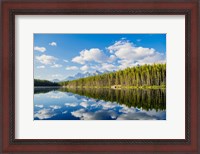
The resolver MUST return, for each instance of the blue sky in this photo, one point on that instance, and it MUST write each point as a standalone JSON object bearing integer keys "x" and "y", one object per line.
{"x": 57, "y": 56}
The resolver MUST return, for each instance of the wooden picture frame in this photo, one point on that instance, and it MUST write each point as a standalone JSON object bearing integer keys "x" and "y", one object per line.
{"x": 11, "y": 8}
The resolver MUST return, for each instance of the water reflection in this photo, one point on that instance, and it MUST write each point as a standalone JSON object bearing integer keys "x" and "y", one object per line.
{"x": 99, "y": 104}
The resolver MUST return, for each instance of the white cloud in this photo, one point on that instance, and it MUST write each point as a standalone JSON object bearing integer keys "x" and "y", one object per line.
{"x": 84, "y": 104}
{"x": 78, "y": 113}
{"x": 73, "y": 104}
{"x": 111, "y": 58}
{"x": 156, "y": 58}
{"x": 98, "y": 115}
{"x": 108, "y": 105}
{"x": 40, "y": 49}
{"x": 136, "y": 116}
{"x": 131, "y": 55}
{"x": 132, "y": 114}
{"x": 42, "y": 66}
{"x": 108, "y": 67}
{"x": 44, "y": 114}
{"x": 66, "y": 61}
{"x": 108, "y": 111}
{"x": 79, "y": 60}
{"x": 55, "y": 107}
{"x": 126, "y": 50}
{"x": 95, "y": 67}
{"x": 46, "y": 59}
{"x": 53, "y": 44}
{"x": 84, "y": 68}
{"x": 40, "y": 106}
{"x": 125, "y": 63}
{"x": 71, "y": 68}
{"x": 126, "y": 109}
{"x": 56, "y": 65}
{"x": 93, "y": 54}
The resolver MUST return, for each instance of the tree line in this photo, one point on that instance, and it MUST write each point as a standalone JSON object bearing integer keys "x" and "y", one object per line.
{"x": 145, "y": 75}
{"x": 38, "y": 83}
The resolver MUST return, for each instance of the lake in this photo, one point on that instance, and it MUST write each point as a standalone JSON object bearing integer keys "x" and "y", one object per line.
{"x": 99, "y": 104}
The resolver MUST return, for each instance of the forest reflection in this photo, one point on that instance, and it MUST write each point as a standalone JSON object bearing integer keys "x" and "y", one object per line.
{"x": 147, "y": 99}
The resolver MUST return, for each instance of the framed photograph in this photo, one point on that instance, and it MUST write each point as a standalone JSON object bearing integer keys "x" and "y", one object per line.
{"x": 99, "y": 76}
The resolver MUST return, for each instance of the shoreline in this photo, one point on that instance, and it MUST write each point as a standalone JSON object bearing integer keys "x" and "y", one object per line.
{"x": 105, "y": 87}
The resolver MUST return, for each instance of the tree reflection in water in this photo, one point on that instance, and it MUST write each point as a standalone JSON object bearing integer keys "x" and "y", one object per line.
{"x": 147, "y": 99}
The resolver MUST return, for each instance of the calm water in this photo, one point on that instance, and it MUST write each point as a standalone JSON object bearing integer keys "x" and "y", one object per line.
{"x": 99, "y": 104}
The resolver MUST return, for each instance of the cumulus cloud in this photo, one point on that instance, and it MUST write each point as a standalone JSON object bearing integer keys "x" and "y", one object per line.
{"x": 93, "y": 54}
{"x": 108, "y": 105}
{"x": 108, "y": 110}
{"x": 108, "y": 67}
{"x": 130, "y": 55}
{"x": 161, "y": 115}
{"x": 79, "y": 60}
{"x": 71, "y": 68}
{"x": 104, "y": 67}
{"x": 125, "y": 53}
{"x": 56, "y": 65}
{"x": 126, "y": 109}
{"x": 84, "y": 68}
{"x": 46, "y": 59}
{"x": 126, "y": 50}
{"x": 78, "y": 113}
{"x": 136, "y": 114}
{"x": 111, "y": 58}
{"x": 95, "y": 67}
{"x": 98, "y": 115}
{"x": 55, "y": 107}
{"x": 156, "y": 58}
{"x": 40, "y": 106}
{"x": 125, "y": 63}
{"x": 44, "y": 114}
{"x": 40, "y": 49}
{"x": 53, "y": 44}
{"x": 42, "y": 66}
{"x": 73, "y": 104}
{"x": 84, "y": 104}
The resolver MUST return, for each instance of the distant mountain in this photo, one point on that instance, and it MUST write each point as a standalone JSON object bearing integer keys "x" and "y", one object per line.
{"x": 55, "y": 80}
{"x": 69, "y": 78}
{"x": 97, "y": 72}
{"x": 84, "y": 75}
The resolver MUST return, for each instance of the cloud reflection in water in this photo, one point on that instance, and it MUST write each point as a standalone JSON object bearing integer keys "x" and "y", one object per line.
{"x": 59, "y": 105}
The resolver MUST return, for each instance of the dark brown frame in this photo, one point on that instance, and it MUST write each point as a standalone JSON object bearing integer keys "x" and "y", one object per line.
{"x": 10, "y": 8}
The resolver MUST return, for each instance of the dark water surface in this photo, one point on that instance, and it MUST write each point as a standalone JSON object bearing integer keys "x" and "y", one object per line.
{"x": 99, "y": 104}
